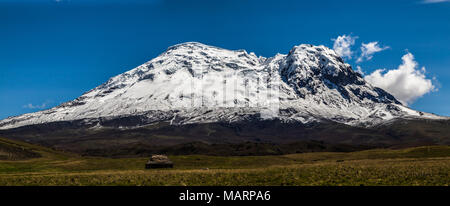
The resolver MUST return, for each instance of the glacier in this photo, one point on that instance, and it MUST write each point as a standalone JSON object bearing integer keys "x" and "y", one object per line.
{"x": 197, "y": 83}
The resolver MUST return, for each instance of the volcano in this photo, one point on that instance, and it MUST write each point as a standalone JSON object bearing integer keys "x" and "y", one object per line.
{"x": 198, "y": 93}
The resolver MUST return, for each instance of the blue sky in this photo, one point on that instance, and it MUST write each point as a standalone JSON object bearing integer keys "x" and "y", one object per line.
{"x": 54, "y": 51}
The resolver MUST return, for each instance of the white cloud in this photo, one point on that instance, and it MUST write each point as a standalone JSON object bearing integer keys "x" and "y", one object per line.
{"x": 367, "y": 50}
{"x": 434, "y": 1}
{"x": 406, "y": 83}
{"x": 342, "y": 45}
{"x": 31, "y": 106}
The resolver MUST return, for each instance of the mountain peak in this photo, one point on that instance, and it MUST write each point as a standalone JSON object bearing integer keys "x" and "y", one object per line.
{"x": 190, "y": 45}
{"x": 317, "y": 58}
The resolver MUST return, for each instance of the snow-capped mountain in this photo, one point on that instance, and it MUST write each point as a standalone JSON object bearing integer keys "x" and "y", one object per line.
{"x": 196, "y": 83}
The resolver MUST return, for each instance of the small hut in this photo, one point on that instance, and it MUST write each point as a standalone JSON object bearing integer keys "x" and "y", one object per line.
{"x": 159, "y": 161}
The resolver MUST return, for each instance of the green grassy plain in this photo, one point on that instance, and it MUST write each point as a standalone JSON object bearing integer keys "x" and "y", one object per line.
{"x": 412, "y": 166}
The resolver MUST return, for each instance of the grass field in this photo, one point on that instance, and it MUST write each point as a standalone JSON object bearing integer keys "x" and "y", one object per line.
{"x": 42, "y": 166}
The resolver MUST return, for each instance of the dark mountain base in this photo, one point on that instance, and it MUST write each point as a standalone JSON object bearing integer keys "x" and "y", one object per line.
{"x": 250, "y": 138}
{"x": 226, "y": 149}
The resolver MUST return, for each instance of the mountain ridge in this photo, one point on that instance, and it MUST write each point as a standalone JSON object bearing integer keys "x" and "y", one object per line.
{"x": 195, "y": 83}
